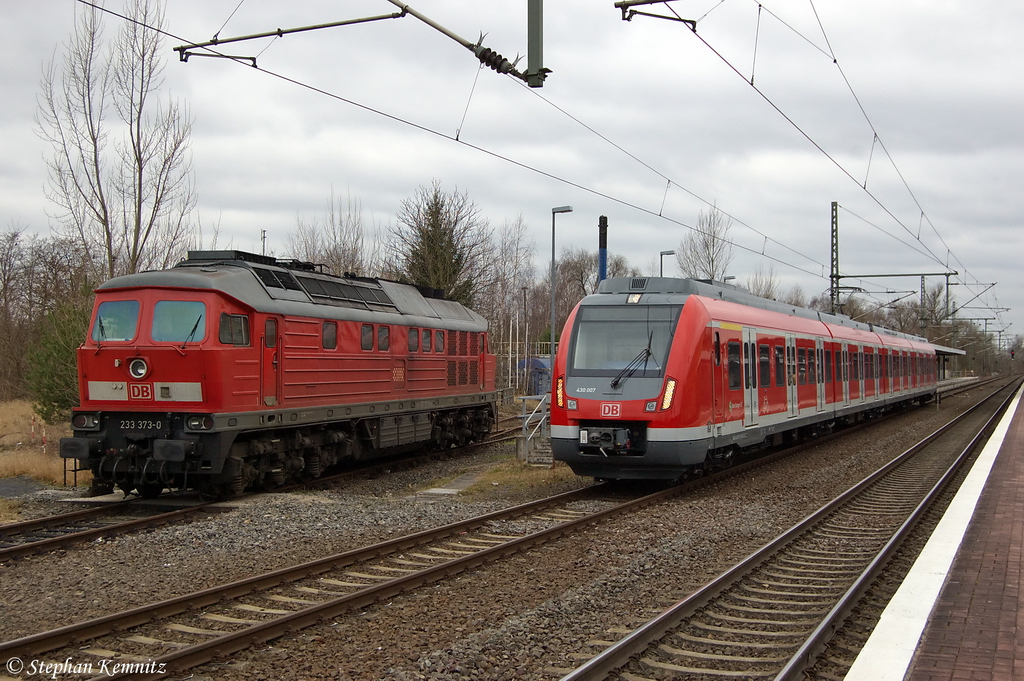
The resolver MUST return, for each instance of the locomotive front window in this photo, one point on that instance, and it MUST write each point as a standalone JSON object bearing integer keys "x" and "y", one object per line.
{"x": 179, "y": 321}
{"x": 116, "y": 320}
{"x": 606, "y": 339}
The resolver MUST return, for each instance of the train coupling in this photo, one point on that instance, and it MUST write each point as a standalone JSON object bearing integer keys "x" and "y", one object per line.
{"x": 605, "y": 439}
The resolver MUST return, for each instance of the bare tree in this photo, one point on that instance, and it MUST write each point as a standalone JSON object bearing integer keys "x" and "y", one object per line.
{"x": 120, "y": 172}
{"x": 706, "y": 252}
{"x": 763, "y": 284}
{"x": 442, "y": 242}
{"x": 337, "y": 239}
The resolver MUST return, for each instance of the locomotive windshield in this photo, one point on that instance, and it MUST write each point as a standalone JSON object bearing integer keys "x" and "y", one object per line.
{"x": 607, "y": 338}
{"x": 116, "y": 320}
{"x": 179, "y": 321}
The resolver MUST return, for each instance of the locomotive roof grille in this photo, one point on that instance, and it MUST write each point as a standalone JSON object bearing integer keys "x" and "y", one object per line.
{"x": 638, "y": 284}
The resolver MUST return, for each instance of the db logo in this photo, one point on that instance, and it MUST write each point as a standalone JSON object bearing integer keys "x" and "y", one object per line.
{"x": 140, "y": 391}
{"x": 611, "y": 410}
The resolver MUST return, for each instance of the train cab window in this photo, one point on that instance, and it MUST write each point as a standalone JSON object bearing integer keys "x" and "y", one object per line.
{"x": 330, "y": 335}
{"x": 764, "y": 363}
{"x": 426, "y": 340}
{"x": 414, "y": 340}
{"x": 178, "y": 321}
{"x": 116, "y": 320}
{"x": 270, "y": 333}
{"x": 735, "y": 368}
{"x": 234, "y": 329}
{"x": 801, "y": 364}
{"x": 718, "y": 349}
{"x": 439, "y": 341}
{"x": 366, "y": 337}
{"x": 780, "y": 366}
{"x": 383, "y": 338}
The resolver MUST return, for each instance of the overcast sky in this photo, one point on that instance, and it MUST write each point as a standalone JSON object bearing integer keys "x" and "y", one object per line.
{"x": 642, "y": 121}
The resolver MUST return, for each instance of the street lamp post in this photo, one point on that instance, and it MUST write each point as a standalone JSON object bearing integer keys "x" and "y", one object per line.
{"x": 661, "y": 261}
{"x": 554, "y": 211}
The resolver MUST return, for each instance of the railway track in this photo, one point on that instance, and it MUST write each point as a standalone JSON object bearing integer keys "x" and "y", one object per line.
{"x": 771, "y": 615}
{"x": 59, "y": 531}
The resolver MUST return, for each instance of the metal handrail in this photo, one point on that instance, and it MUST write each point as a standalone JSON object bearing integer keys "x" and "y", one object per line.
{"x": 542, "y": 418}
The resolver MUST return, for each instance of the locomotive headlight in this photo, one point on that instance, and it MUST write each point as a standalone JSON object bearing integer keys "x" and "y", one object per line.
{"x": 199, "y": 422}
{"x": 670, "y": 391}
{"x": 560, "y": 392}
{"x": 85, "y": 421}
{"x": 137, "y": 368}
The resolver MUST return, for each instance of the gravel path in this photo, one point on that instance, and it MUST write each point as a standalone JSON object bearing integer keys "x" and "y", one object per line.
{"x": 523, "y": 618}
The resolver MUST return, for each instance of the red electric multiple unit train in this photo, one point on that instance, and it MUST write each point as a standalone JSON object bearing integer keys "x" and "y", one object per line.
{"x": 657, "y": 377}
{"x": 235, "y": 371}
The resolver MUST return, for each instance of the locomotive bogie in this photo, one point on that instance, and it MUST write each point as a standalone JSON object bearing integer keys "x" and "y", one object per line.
{"x": 733, "y": 374}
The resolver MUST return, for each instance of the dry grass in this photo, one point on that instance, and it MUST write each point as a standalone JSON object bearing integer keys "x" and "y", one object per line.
{"x": 516, "y": 475}
{"x": 22, "y": 448}
{"x": 9, "y": 511}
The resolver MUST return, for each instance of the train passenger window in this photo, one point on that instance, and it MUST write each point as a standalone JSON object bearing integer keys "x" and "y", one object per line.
{"x": 765, "y": 365}
{"x": 439, "y": 341}
{"x": 234, "y": 329}
{"x": 828, "y": 366}
{"x": 812, "y": 376}
{"x": 116, "y": 320}
{"x": 426, "y": 340}
{"x": 780, "y": 366}
{"x": 414, "y": 340}
{"x": 178, "y": 321}
{"x": 270, "y": 333}
{"x": 735, "y": 369}
{"x": 366, "y": 337}
{"x": 801, "y": 364}
{"x": 746, "y": 365}
{"x": 330, "y": 335}
{"x": 383, "y": 338}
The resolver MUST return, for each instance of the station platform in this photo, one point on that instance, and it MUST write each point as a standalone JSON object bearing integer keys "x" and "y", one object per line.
{"x": 959, "y": 614}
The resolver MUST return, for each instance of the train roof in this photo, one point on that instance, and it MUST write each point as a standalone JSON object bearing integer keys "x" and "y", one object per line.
{"x": 294, "y": 287}
{"x": 674, "y": 291}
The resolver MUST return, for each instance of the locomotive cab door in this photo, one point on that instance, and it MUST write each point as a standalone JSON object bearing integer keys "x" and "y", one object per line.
{"x": 270, "y": 362}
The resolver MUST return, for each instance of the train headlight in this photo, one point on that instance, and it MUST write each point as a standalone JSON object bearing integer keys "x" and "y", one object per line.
{"x": 137, "y": 368}
{"x": 199, "y": 422}
{"x": 560, "y": 392}
{"x": 670, "y": 392}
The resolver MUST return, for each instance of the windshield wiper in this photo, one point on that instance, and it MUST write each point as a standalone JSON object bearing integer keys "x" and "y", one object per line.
{"x": 635, "y": 363}
{"x": 192, "y": 332}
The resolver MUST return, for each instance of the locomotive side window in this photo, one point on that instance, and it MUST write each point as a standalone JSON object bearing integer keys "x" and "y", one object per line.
{"x": 330, "y": 335}
{"x": 414, "y": 340}
{"x": 366, "y": 337}
{"x": 234, "y": 329}
{"x": 383, "y": 338}
{"x": 780, "y": 366}
{"x": 735, "y": 369}
{"x": 765, "y": 364}
{"x": 178, "y": 321}
{"x": 270, "y": 333}
{"x": 116, "y": 320}
{"x": 439, "y": 341}
{"x": 426, "y": 340}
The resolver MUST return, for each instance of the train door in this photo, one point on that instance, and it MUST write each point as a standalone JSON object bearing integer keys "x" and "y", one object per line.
{"x": 270, "y": 364}
{"x": 717, "y": 380}
{"x": 843, "y": 368}
{"x": 819, "y": 358}
{"x": 792, "y": 398}
{"x": 749, "y": 377}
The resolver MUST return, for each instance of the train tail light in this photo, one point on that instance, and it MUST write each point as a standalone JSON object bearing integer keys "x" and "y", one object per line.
{"x": 560, "y": 392}
{"x": 670, "y": 392}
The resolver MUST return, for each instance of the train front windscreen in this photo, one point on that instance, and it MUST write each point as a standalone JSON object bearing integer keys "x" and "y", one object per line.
{"x": 608, "y": 339}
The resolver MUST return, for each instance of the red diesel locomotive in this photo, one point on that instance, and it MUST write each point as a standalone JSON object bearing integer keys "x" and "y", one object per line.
{"x": 235, "y": 371}
{"x": 657, "y": 378}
